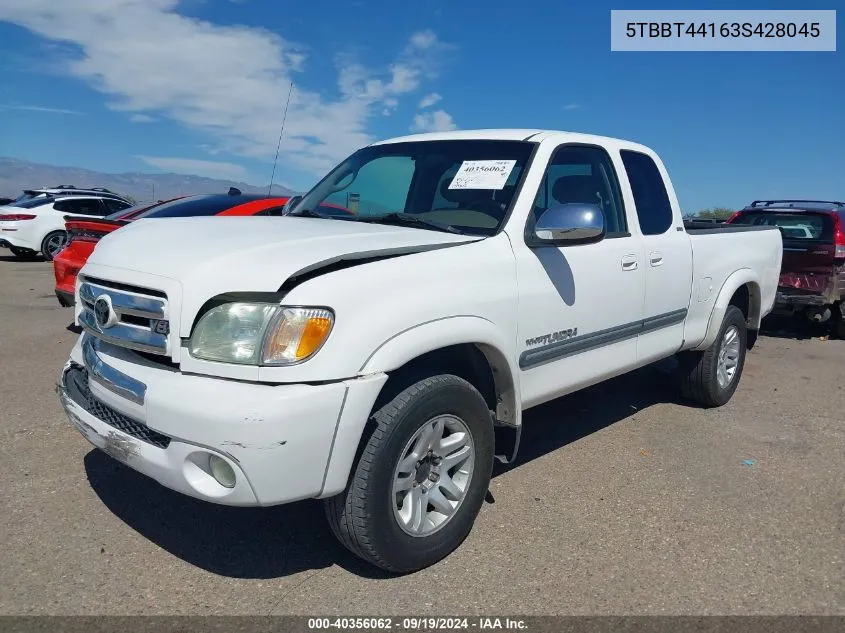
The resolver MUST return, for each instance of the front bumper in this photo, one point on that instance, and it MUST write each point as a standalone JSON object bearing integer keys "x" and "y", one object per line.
{"x": 66, "y": 266}
{"x": 284, "y": 442}
{"x": 66, "y": 299}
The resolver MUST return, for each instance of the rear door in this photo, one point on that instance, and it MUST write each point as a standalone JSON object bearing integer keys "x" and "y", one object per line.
{"x": 668, "y": 259}
{"x": 808, "y": 246}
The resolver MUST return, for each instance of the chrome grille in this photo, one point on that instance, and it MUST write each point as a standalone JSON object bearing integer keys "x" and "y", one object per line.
{"x": 76, "y": 383}
{"x": 138, "y": 317}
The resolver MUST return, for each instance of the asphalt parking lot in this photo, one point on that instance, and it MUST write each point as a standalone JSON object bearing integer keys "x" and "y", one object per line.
{"x": 624, "y": 501}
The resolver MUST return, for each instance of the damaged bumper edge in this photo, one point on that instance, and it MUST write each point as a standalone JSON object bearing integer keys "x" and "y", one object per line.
{"x": 810, "y": 289}
{"x": 283, "y": 442}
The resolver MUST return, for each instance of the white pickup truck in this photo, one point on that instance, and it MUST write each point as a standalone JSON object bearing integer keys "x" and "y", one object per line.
{"x": 377, "y": 346}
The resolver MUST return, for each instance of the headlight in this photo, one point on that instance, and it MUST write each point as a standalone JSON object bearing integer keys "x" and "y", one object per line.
{"x": 232, "y": 333}
{"x": 260, "y": 333}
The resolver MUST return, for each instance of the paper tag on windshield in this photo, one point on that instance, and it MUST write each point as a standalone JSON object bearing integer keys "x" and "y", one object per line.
{"x": 482, "y": 174}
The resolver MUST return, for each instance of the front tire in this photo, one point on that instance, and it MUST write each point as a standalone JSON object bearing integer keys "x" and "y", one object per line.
{"x": 421, "y": 478}
{"x": 52, "y": 243}
{"x": 711, "y": 377}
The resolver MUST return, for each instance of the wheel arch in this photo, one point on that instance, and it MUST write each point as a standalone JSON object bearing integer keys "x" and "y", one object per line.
{"x": 741, "y": 289}
{"x": 467, "y": 346}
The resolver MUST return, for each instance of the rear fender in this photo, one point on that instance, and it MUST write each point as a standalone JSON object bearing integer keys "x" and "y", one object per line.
{"x": 742, "y": 277}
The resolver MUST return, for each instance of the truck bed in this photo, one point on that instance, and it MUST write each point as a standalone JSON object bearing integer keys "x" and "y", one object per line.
{"x": 720, "y": 251}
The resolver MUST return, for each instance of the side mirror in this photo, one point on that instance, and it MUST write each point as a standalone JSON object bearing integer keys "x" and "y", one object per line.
{"x": 290, "y": 205}
{"x": 571, "y": 223}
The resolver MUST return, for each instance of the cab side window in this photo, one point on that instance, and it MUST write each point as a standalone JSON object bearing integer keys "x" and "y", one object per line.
{"x": 583, "y": 174}
{"x": 654, "y": 212}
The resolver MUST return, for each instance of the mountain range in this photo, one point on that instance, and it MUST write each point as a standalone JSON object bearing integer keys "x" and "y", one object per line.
{"x": 17, "y": 175}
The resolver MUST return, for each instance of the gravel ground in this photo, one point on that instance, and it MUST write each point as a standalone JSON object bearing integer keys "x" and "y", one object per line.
{"x": 624, "y": 501}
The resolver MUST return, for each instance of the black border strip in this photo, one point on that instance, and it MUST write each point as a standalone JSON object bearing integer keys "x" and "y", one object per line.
{"x": 594, "y": 340}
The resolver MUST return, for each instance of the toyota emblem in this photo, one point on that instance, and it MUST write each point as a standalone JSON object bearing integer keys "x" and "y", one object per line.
{"x": 104, "y": 314}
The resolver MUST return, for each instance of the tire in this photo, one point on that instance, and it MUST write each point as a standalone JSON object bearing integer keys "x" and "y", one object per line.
{"x": 837, "y": 325}
{"x": 699, "y": 371}
{"x": 366, "y": 517}
{"x": 22, "y": 253}
{"x": 48, "y": 249}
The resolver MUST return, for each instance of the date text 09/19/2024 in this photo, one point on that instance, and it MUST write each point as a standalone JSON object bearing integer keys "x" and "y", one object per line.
{"x": 417, "y": 623}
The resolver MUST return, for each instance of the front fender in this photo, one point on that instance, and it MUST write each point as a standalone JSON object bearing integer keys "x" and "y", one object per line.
{"x": 742, "y": 277}
{"x": 439, "y": 333}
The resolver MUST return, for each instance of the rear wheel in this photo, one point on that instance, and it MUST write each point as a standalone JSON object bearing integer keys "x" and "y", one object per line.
{"x": 710, "y": 377}
{"x": 421, "y": 479}
{"x": 52, "y": 243}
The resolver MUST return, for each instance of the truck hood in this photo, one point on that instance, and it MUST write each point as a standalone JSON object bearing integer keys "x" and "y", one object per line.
{"x": 212, "y": 255}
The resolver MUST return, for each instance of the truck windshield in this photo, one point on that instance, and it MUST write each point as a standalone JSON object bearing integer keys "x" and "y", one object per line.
{"x": 464, "y": 186}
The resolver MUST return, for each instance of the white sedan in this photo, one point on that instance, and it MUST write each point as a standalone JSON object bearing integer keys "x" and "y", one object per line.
{"x": 38, "y": 225}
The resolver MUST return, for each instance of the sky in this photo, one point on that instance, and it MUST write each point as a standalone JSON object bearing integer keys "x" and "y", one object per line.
{"x": 200, "y": 87}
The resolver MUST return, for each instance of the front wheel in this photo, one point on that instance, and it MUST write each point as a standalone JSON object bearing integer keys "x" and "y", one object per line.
{"x": 711, "y": 377}
{"x": 421, "y": 479}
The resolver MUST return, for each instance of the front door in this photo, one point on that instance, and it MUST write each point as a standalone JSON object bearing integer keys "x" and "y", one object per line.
{"x": 580, "y": 306}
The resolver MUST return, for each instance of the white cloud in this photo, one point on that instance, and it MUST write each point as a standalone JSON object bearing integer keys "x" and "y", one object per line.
{"x": 190, "y": 166}
{"x": 33, "y": 108}
{"x": 437, "y": 121}
{"x": 230, "y": 82}
{"x": 424, "y": 39}
{"x": 141, "y": 118}
{"x": 429, "y": 100}
{"x": 572, "y": 106}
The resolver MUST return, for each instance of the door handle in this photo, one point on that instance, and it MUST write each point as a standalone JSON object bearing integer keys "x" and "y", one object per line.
{"x": 629, "y": 262}
{"x": 655, "y": 258}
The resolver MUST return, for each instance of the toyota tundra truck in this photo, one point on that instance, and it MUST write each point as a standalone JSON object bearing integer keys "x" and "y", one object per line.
{"x": 382, "y": 359}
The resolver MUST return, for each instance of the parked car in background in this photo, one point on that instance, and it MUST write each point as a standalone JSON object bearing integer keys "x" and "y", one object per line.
{"x": 37, "y": 225}
{"x": 381, "y": 360}
{"x": 69, "y": 190}
{"x": 812, "y": 277}
{"x": 83, "y": 233}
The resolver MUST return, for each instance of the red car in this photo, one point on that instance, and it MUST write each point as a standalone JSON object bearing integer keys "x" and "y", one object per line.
{"x": 812, "y": 275}
{"x": 83, "y": 235}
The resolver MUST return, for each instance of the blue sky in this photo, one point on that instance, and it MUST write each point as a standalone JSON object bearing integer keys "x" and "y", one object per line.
{"x": 198, "y": 86}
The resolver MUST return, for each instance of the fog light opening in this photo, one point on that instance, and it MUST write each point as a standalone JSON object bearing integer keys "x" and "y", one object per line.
{"x": 221, "y": 471}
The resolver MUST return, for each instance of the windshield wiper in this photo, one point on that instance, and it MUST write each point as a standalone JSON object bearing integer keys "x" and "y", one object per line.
{"x": 408, "y": 219}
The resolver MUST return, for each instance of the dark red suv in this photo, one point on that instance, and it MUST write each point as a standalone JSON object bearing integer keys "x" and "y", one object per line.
{"x": 812, "y": 275}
